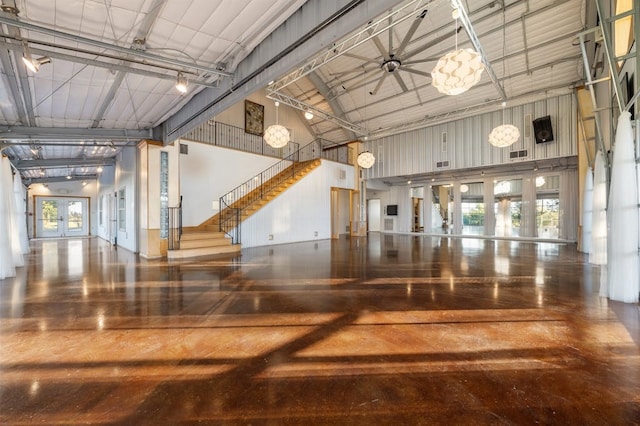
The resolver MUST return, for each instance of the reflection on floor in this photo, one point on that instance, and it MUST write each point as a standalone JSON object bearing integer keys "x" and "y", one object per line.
{"x": 389, "y": 329}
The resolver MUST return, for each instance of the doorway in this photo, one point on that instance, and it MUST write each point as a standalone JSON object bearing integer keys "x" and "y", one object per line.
{"x": 373, "y": 215}
{"x": 62, "y": 217}
{"x": 340, "y": 212}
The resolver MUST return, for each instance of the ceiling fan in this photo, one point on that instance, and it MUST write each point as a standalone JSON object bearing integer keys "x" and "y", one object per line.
{"x": 395, "y": 61}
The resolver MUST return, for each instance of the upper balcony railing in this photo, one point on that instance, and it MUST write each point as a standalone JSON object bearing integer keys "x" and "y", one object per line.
{"x": 227, "y": 136}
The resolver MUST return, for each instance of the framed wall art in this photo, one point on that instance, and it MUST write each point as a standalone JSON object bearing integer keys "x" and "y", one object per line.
{"x": 253, "y": 118}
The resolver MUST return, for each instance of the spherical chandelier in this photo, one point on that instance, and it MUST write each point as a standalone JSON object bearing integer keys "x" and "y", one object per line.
{"x": 457, "y": 71}
{"x": 276, "y": 135}
{"x": 464, "y": 188}
{"x": 504, "y": 135}
{"x": 540, "y": 181}
{"x": 366, "y": 160}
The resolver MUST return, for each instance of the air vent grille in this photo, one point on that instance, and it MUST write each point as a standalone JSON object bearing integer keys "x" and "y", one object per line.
{"x": 515, "y": 155}
{"x": 388, "y": 224}
{"x": 184, "y": 148}
{"x": 442, "y": 164}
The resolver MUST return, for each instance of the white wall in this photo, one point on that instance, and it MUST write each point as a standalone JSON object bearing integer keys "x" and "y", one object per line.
{"x": 466, "y": 146}
{"x": 65, "y": 189}
{"x": 301, "y": 211}
{"x": 208, "y": 172}
{"x": 105, "y": 190}
{"x": 126, "y": 178}
{"x": 289, "y": 117}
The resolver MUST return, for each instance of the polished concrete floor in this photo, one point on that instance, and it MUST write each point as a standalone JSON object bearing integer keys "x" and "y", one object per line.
{"x": 389, "y": 329}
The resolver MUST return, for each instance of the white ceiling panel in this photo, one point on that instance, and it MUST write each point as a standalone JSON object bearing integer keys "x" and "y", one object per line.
{"x": 539, "y": 48}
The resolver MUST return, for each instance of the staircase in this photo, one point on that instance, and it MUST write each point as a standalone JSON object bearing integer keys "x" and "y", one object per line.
{"x": 262, "y": 195}
{"x": 212, "y": 237}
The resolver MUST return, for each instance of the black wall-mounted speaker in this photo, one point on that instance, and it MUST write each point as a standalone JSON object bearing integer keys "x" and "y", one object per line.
{"x": 542, "y": 129}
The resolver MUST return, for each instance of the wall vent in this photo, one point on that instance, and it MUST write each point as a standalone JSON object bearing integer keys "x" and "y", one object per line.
{"x": 442, "y": 164}
{"x": 184, "y": 148}
{"x": 443, "y": 141}
{"x": 342, "y": 174}
{"x": 388, "y": 224}
{"x": 515, "y": 155}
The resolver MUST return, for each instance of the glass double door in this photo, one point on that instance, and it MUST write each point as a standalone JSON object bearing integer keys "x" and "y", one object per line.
{"x": 61, "y": 217}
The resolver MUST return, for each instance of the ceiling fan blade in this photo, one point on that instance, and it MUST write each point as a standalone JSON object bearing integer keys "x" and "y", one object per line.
{"x": 362, "y": 82}
{"x": 390, "y": 36}
{"x": 430, "y": 44}
{"x": 362, "y": 73}
{"x": 380, "y": 47}
{"x": 400, "y": 81}
{"x": 362, "y": 58}
{"x": 426, "y": 74}
{"x": 420, "y": 61}
{"x": 410, "y": 33}
{"x": 375, "y": 90}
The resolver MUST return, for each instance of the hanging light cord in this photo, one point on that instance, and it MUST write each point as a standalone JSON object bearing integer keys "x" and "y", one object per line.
{"x": 504, "y": 56}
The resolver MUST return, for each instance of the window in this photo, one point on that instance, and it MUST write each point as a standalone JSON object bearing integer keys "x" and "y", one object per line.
{"x": 623, "y": 29}
{"x": 122, "y": 210}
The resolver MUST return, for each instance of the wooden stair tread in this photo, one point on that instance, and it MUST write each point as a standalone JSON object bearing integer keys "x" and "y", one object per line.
{"x": 202, "y": 251}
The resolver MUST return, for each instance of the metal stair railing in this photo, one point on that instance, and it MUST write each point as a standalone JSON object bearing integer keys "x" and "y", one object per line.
{"x": 175, "y": 226}
{"x": 234, "y": 202}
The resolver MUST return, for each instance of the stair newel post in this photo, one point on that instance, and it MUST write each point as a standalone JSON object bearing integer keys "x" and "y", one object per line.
{"x": 237, "y": 226}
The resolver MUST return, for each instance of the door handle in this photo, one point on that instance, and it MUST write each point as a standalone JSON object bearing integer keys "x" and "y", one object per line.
{"x": 61, "y": 219}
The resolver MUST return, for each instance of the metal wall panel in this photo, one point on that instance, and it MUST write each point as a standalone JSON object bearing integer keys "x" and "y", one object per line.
{"x": 467, "y": 146}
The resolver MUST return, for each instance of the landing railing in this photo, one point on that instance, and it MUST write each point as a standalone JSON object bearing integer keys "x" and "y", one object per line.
{"x": 175, "y": 226}
{"x": 227, "y": 136}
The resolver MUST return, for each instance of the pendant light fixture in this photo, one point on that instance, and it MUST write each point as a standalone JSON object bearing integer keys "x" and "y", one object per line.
{"x": 181, "y": 83}
{"x": 276, "y": 136}
{"x": 457, "y": 71}
{"x": 505, "y": 134}
{"x": 366, "y": 160}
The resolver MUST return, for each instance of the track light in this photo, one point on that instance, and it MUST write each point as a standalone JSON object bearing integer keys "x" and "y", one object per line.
{"x": 33, "y": 64}
{"x": 99, "y": 169}
{"x": 308, "y": 115}
{"x": 181, "y": 83}
{"x": 68, "y": 177}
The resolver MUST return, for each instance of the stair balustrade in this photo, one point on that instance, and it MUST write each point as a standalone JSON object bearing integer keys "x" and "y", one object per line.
{"x": 234, "y": 202}
{"x": 227, "y": 136}
{"x": 175, "y": 226}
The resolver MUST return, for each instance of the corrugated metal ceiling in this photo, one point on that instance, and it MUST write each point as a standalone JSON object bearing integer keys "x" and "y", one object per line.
{"x": 89, "y": 86}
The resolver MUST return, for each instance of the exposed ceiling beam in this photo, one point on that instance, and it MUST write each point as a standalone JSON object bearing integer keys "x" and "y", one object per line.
{"x": 369, "y": 32}
{"x": 143, "y": 31}
{"x": 58, "y": 133}
{"x": 12, "y": 82}
{"x": 63, "y": 162}
{"x": 113, "y": 47}
{"x": 101, "y": 64}
{"x": 335, "y": 106}
{"x": 16, "y": 75}
{"x": 59, "y": 179}
{"x": 466, "y": 23}
{"x": 314, "y": 26}
{"x": 292, "y": 102}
